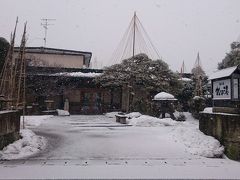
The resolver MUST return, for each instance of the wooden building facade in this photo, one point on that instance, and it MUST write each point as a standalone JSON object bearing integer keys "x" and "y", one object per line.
{"x": 50, "y": 88}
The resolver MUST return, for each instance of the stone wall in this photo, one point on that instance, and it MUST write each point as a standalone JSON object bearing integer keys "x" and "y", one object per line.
{"x": 9, "y": 127}
{"x": 225, "y": 128}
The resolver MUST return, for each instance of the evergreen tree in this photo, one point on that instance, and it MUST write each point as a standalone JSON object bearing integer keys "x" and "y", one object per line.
{"x": 185, "y": 95}
{"x": 4, "y": 46}
{"x": 153, "y": 75}
{"x": 232, "y": 58}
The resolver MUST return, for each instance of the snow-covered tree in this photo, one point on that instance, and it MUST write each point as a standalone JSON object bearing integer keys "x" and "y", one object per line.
{"x": 153, "y": 75}
{"x": 140, "y": 73}
{"x": 232, "y": 58}
{"x": 185, "y": 95}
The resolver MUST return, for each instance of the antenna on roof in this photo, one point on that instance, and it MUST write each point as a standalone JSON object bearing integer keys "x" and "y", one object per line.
{"x": 45, "y": 25}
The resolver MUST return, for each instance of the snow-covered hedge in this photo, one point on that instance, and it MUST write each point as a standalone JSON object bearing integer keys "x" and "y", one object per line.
{"x": 149, "y": 121}
{"x": 198, "y": 143}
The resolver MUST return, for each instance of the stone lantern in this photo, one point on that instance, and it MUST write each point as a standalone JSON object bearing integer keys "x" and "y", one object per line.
{"x": 164, "y": 103}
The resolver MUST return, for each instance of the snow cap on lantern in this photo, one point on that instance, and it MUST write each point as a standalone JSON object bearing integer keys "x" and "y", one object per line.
{"x": 163, "y": 96}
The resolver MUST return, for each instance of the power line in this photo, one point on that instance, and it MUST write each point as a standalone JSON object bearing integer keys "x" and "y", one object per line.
{"x": 45, "y": 25}
{"x": 135, "y": 40}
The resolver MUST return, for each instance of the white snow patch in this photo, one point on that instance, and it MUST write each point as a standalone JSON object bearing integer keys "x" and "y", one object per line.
{"x": 112, "y": 114}
{"x": 208, "y": 110}
{"x": 28, "y": 145}
{"x": 197, "y": 97}
{"x": 164, "y": 96}
{"x": 63, "y": 112}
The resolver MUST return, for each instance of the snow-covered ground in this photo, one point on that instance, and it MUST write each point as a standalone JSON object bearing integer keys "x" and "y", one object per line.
{"x": 33, "y": 121}
{"x": 98, "y": 147}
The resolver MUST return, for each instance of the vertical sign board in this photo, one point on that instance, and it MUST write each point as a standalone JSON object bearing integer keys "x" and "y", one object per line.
{"x": 235, "y": 88}
{"x": 222, "y": 89}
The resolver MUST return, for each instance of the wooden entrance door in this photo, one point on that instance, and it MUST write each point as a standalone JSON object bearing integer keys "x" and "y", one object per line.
{"x": 91, "y": 102}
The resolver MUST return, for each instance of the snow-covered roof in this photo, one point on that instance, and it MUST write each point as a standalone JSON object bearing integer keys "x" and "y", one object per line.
{"x": 185, "y": 79}
{"x": 223, "y": 73}
{"x": 77, "y": 74}
{"x": 164, "y": 96}
{"x": 7, "y": 111}
{"x": 45, "y": 50}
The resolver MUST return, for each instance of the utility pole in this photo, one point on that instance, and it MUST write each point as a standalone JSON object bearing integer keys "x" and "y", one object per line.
{"x": 45, "y": 25}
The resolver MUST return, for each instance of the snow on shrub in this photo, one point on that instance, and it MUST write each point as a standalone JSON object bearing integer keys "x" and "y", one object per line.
{"x": 133, "y": 115}
{"x": 62, "y": 112}
{"x": 111, "y": 114}
{"x": 198, "y": 143}
{"x": 181, "y": 117}
{"x": 28, "y": 145}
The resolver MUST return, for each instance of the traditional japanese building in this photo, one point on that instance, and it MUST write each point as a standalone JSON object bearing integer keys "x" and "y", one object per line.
{"x": 58, "y": 76}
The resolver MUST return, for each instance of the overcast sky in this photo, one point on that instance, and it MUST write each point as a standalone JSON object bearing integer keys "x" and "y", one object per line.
{"x": 178, "y": 28}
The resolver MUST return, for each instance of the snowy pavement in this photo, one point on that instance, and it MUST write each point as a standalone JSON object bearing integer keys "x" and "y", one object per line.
{"x": 98, "y": 147}
{"x": 98, "y": 137}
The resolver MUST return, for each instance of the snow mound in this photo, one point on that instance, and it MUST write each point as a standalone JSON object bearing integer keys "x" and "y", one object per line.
{"x": 197, "y": 143}
{"x": 149, "y": 121}
{"x": 62, "y": 112}
{"x": 30, "y": 121}
{"x": 30, "y": 144}
{"x": 164, "y": 96}
{"x": 111, "y": 114}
